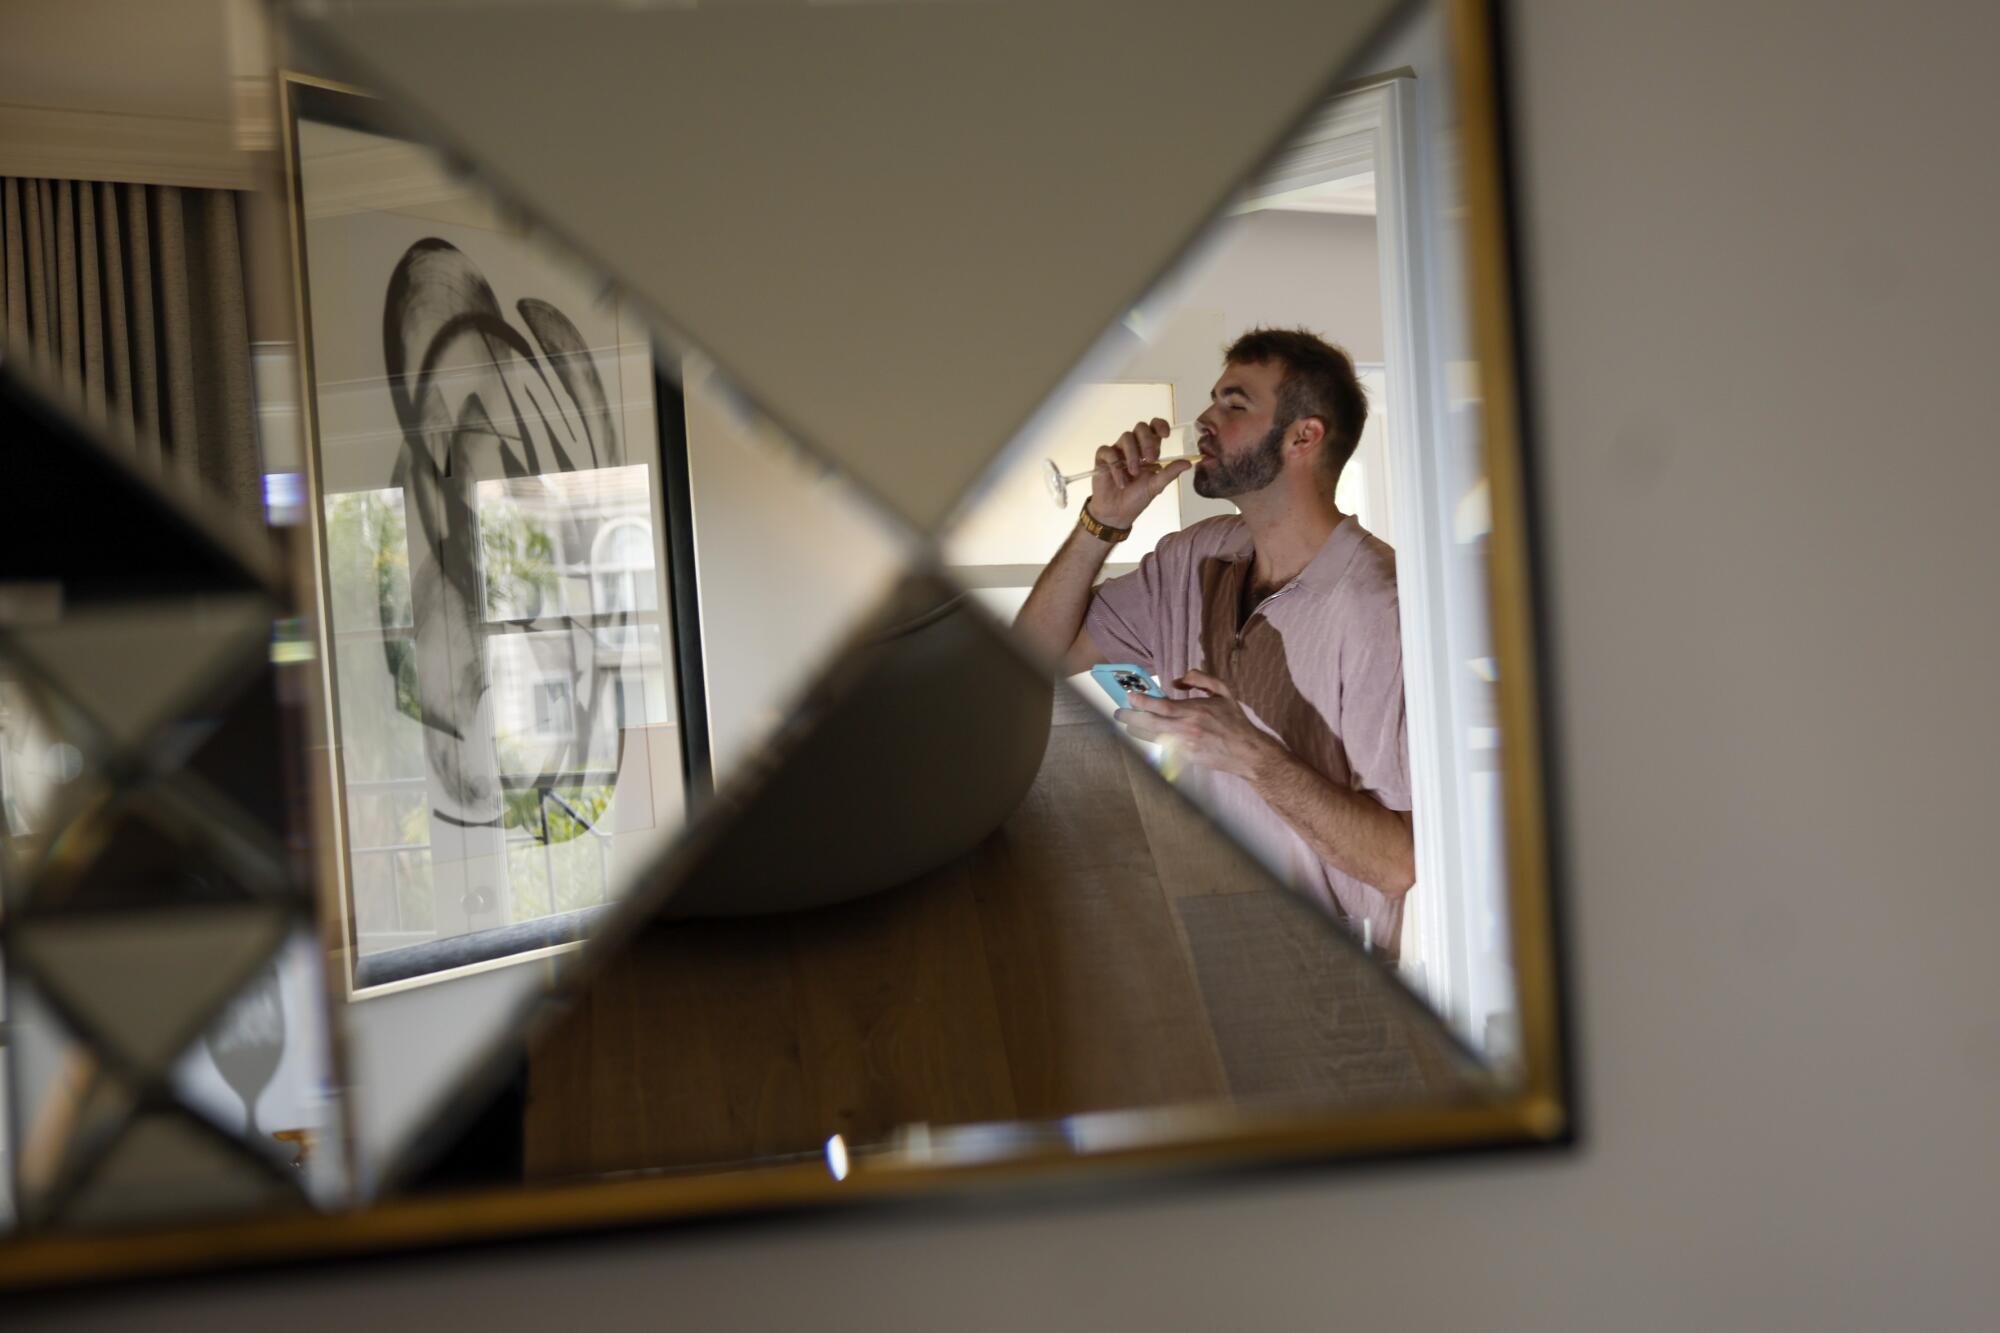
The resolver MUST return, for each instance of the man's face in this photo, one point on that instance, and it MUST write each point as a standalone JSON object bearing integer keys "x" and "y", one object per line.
{"x": 1241, "y": 442}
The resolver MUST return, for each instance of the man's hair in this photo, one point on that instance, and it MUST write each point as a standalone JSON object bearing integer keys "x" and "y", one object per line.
{"x": 1319, "y": 381}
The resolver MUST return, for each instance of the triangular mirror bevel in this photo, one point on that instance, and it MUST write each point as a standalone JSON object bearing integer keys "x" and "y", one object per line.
{"x": 983, "y": 191}
{"x": 1378, "y": 1044}
{"x": 145, "y": 983}
{"x": 130, "y": 668}
{"x": 168, "y": 1166}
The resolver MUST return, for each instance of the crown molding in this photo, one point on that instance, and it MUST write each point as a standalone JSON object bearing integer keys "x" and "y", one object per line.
{"x": 64, "y": 144}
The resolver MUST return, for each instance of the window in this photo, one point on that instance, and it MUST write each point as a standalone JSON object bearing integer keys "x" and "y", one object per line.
{"x": 552, "y": 704}
{"x": 573, "y": 657}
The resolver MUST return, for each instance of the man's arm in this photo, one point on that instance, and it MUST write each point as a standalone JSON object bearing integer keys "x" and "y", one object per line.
{"x": 1347, "y": 829}
{"x": 1127, "y": 478}
{"x": 1051, "y": 620}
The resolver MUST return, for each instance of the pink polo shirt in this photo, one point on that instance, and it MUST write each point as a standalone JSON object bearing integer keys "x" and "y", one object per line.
{"x": 1318, "y": 664}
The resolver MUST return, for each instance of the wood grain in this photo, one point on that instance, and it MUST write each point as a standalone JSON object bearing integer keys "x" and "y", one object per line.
{"x": 1097, "y": 995}
{"x": 1299, "y": 1012}
{"x": 684, "y": 1052}
{"x": 896, "y": 1018}
{"x": 1195, "y": 858}
{"x": 1104, "y": 949}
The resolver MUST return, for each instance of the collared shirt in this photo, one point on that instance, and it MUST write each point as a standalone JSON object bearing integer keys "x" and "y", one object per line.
{"x": 1317, "y": 664}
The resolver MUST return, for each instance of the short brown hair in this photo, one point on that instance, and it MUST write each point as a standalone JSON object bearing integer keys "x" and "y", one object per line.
{"x": 1319, "y": 381}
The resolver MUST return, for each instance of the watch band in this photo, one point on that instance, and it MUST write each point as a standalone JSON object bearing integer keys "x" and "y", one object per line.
{"x": 1102, "y": 531}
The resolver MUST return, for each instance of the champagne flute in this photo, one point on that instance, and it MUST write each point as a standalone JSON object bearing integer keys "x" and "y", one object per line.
{"x": 1058, "y": 482}
{"x": 248, "y": 1042}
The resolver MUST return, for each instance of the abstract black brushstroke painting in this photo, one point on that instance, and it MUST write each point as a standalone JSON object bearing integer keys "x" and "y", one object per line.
{"x": 464, "y": 378}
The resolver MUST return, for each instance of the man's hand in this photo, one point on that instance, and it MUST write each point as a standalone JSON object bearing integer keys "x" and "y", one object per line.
{"x": 1129, "y": 475}
{"x": 1346, "y": 829}
{"x": 1213, "y": 732}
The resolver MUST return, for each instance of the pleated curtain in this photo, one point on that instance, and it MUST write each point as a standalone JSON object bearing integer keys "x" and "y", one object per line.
{"x": 129, "y": 299}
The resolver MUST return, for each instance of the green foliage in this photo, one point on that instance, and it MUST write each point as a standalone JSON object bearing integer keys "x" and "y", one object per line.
{"x": 590, "y": 802}
{"x": 368, "y": 550}
{"x": 562, "y": 869}
{"x": 519, "y": 557}
{"x": 368, "y": 560}
{"x": 416, "y": 825}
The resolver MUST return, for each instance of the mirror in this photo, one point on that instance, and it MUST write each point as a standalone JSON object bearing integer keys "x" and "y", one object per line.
{"x": 538, "y": 527}
{"x": 716, "y": 796}
{"x": 1328, "y": 299}
{"x": 1098, "y": 968}
{"x": 170, "y": 1051}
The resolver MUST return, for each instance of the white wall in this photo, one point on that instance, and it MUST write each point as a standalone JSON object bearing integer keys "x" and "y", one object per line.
{"x": 1269, "y": 269}
{"x": 1762, "y": 291}
{"x": 1282, "y": 268}
{"x": 164, "y": 58}
{"x": 789, "y": 563}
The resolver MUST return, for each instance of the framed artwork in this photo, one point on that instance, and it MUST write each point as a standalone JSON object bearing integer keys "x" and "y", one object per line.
{"x": 505, "y": 597}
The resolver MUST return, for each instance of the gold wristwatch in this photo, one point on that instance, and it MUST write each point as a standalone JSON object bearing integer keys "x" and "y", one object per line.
{"x": 1102, "y": 531}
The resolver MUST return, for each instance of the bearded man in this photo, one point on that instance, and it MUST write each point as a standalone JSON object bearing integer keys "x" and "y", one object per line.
{"x": 1274, "y": 630}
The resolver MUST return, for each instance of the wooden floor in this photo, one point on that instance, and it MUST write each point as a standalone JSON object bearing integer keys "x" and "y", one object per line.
{"x": 1104, "y": 949}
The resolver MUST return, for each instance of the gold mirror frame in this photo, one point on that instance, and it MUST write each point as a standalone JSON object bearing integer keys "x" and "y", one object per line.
{"x": 1533, "y": 1109}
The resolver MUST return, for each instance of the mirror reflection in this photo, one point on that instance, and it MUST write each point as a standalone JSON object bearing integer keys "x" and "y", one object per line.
{"x": 675, "y": 808}
{"x": 571, "y": 582}
{"x": 1305, "y": 598}
{"x": 498, "y": 616}
{"x": 169, "y": 1044}
{"x": 1051, "y": 936}
{"x": 1254, "y": 531}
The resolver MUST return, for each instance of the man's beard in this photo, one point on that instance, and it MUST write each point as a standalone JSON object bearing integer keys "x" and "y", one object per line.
{"x": 1218, "y": 480}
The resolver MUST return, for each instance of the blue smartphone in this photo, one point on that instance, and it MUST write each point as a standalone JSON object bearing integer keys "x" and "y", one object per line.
{"x": 1121, "y": 679}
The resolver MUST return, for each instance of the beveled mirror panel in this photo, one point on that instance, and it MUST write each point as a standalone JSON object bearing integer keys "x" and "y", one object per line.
{"x": 834, "y": 670}
{"x": 1345, "y": 607}
{"x": 1102, "y": 967}
{"x": 536, "y": 526}
{"x": 902, "y": 210}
